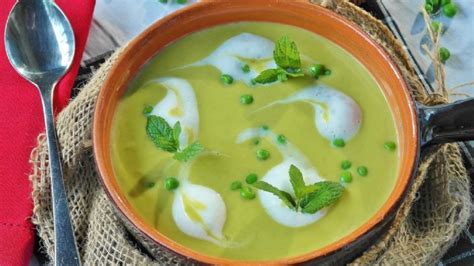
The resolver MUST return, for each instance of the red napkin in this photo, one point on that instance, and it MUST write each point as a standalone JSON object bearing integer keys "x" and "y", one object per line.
{"x": 21, "y": 120}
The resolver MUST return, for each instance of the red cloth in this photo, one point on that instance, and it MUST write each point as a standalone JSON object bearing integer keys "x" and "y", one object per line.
{"x": 21, "y": 121}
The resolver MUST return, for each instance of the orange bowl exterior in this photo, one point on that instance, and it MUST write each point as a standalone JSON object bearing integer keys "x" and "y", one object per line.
{"x": 297, "y": 13}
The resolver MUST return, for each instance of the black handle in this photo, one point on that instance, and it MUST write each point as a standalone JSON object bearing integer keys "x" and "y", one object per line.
{"x": 447, "y": 123}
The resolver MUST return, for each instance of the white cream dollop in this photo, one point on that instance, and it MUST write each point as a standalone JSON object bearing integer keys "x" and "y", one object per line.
{"x": 336, "y": 114}
{"x": 279, "y": 178}
{"x": 179, "y": 104}
{"x": 230, "y": 56}
{"x": 199, "y": 212}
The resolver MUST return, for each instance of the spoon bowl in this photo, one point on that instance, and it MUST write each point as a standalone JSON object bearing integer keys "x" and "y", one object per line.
{"x": 39, "y": 43}
{"x": 39, "y": 40}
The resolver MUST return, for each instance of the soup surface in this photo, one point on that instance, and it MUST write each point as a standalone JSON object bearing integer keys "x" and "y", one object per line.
{"x": 298, "y": 121}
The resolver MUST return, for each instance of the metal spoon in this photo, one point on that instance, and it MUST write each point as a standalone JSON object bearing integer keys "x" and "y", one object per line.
{"x": 39, "y": 42}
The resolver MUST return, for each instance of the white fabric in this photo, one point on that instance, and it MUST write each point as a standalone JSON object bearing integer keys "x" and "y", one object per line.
{"x": 458, "y": 38}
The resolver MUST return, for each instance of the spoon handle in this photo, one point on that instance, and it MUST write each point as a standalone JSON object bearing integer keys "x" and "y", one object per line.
{"x": 65, "y": 248}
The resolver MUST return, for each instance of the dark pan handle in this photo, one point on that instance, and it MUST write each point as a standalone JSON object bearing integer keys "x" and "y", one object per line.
{"x": 446, "y": 123}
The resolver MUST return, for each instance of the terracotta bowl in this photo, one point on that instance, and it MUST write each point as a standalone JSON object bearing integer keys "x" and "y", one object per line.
{"x": 297, "y": 13}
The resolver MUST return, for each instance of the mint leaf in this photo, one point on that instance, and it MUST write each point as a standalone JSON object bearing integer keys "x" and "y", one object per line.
{"x": 176, "y": 132}
{"x": 326, "y": 194}
{"x": 283, "y": 195}
{"x": 268, "y": 76}
{"x": 156, "y": 125}
{"x": 309, "y": 190}
{"x": 189, "y": 152}
{"x": 286, "y": 54}
{"x": 274, "y": 74}
{"x": 160, "y": 132}
{"x": 297, "y": 182}
{"x": 165, "y": 144}
{"x": 312, "y": 188}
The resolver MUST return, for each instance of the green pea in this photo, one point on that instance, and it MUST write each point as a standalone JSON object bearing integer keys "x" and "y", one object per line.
{"x": 338, "y": 143}
{"x": 246, "y": 99}
{"x": 436, "y": 26}
{"x": 346, "y": 177}
{"x": 327, "y": 72}
{"x": 346, "y": 164}
{"x": 263, "y": 154}
{"x": 450, "y": 10}
{"x": 256, "y": 142}
{"x": 434, "y": 3}
{"x": 171, "y": 183}
{"x": 445, "y": 2}
{"x": 390, "y": 145}
{"x": 235, "y": 185}
{"x": 362, "y": 170}
{"x": 251, "y": 178}
{"x": 147, "y": 110}
{"x": 253, "y": 82}
{"x": 281, "y": 139}
{"x": 429, "y": 8}
{"x": 444, "y": 54}
{"x": 316, "y": 70}
{"x": 227, "y": 79}
{"x": 181, "y": 1}
{"x": 245, "y": 68}
{"x": 265, "y": 127}
{"x": 247, "y": 193}
{"x": 164, "y": 1}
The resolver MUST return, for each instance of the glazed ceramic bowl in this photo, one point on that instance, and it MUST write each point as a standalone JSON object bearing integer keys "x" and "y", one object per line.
{"x": 415, "y": 126}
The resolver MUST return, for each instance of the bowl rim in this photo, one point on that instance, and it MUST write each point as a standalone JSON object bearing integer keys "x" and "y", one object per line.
{"x": 107, "y": 178}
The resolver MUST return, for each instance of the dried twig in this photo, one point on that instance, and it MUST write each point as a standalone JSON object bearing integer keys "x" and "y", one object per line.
{"x": 438, "y": 66}
{"x": 461, "y": 86}
{"x": 440, "y": 74}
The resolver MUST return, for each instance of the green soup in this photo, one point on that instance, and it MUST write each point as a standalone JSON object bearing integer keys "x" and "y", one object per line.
{"x": 218, "y": 117}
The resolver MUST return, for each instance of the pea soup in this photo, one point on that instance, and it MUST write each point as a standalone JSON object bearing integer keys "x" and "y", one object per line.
{"x": 254, "y": 141}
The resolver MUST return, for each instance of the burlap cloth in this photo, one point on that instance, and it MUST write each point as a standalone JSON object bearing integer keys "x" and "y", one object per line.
{"x": 435, "y": 211}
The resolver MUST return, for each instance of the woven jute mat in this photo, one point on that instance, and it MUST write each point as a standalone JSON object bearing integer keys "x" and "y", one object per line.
{"x": 433, "y": 214}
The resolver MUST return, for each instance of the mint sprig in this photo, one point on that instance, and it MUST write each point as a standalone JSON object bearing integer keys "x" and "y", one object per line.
{"x": 166, "y": 138}
{"x": 287, "y": 58}
{"x": 308, "y": 198}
